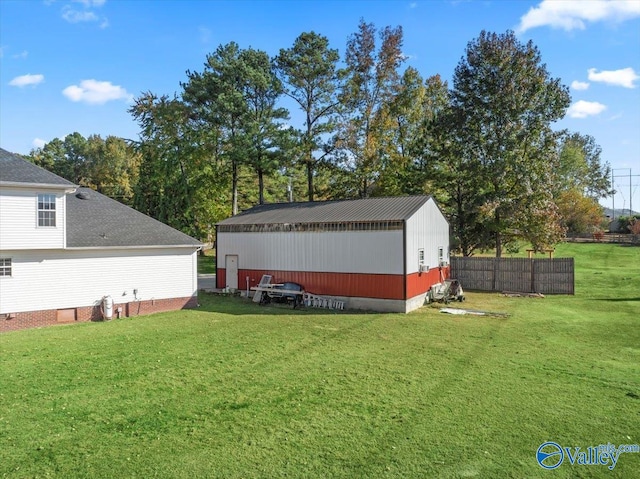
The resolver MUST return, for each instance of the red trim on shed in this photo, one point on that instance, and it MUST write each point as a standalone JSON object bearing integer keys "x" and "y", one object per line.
{"x": 381, "y": 286}
{"x": 420, "y": 283}
{"x": 221, "y": 278}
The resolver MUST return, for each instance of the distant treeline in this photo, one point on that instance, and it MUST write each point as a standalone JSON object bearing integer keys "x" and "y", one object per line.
{"x": 362, "y": 124}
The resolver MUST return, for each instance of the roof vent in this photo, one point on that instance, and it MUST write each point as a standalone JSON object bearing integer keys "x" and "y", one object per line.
{"x": 83, "y": 195}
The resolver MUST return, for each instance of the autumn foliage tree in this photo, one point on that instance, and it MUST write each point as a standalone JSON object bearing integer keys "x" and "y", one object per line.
{"x": 372, "y": 80}
{"x": 504, "y": 103}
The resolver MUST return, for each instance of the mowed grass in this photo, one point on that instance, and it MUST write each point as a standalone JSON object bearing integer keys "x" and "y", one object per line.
{"x": 207, "y": 262}
{"x": 234, "y": 390}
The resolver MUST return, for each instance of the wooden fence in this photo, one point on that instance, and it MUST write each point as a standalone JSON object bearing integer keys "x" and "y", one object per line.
{"x": 547, "y": 276}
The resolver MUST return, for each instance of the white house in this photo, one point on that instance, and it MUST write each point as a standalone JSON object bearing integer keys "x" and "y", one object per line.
{"x": 69, "y": 253}
{"x": 380, "y": 254}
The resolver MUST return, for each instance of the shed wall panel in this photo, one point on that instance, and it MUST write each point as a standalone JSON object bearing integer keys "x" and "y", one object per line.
{"x": 43, "y": 280}
{"x": 427, "y": 229}
{"x": 370, "y": 252}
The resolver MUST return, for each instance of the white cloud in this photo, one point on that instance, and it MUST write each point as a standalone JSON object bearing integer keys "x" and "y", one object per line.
{"x": 96, "y": 92}
{"x": 38, "y": 142}
{"x": 27, "y": 79}
{"x": 77, "y": 16}
{"x": 625, "y": 77}
{"x": 572, "y": 14}
{"x": 73, "y": 15}
{"x": 579, "y": 85}
{"x": 23, "y": 54}
{"x": 91, "y": 3}
{"x": 583, "y": 109}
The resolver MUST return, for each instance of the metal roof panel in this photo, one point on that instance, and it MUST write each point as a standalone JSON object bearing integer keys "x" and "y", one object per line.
{"x": 360, "y": 210}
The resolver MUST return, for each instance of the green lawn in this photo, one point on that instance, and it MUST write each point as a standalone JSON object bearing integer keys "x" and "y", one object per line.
{"x": 207, "y": 262}
{"x": 234, "y": 390}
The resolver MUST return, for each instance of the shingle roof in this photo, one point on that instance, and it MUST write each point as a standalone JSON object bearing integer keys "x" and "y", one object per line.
{"x": 14, "y": 169}
{"x": 92, "y": 219}
{"x": 368, "y": 209}
{"x": 95, "y": 220}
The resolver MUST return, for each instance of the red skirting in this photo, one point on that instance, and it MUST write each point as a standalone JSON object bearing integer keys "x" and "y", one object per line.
{"x": 360, "y": 285}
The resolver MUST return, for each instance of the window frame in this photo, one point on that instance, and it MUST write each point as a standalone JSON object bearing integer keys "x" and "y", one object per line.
{"x": 46, "y": 210}
{"x": 6, "y": 268}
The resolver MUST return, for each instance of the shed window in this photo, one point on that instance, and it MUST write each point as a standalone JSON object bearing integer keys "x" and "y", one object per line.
{"x": 46, "y": 210}
{"x": 5, "y": 266}
{"x": 440, "y": 254}
{"x": 421, "y": 256}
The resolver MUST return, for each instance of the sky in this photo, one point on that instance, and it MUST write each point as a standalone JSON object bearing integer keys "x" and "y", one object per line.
{"x": 77, "y": 65}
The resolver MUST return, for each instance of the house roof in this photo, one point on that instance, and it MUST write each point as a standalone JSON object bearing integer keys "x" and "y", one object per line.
{"x": 362, "y": 210}
{"x": 95, "y": 220}
{"x": 15, "y": 170}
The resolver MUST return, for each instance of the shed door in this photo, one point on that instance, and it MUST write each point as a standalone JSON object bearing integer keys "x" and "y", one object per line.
{"x": 231, "y": 265}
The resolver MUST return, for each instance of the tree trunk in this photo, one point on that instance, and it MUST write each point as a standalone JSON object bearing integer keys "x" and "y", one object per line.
{"x": 260, "y": 186}
{"x": 234, "y": 188}
{"x": 310, "y": 178}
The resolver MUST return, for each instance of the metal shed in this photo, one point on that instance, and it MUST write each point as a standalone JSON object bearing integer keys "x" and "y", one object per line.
{"x": 380, "y": 254}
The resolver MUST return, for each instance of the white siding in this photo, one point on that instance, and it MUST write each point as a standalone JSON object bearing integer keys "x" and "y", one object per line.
{"x": 427, "y": 229}
{"x": 19, "y": 221}
{"x": 65, "y": 279}
{"x": 374, "y": 252}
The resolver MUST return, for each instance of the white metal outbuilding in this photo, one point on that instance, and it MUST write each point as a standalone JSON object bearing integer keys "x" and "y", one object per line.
{"x": 379, "y": 254}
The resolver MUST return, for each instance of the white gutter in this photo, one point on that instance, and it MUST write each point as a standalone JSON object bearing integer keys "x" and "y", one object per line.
{"x": 31, "y": 186}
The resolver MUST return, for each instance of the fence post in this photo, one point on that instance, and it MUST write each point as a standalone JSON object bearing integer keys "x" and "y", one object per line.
{"x": 533, "y": 275}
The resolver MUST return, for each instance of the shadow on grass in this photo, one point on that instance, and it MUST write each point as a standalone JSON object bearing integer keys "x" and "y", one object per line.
{"x": 236, "y": 305}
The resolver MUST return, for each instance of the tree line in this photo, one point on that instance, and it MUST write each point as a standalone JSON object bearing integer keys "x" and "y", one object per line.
{"x": 309, "y": 125}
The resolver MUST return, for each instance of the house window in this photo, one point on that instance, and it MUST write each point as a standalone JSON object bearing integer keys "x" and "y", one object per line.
{"x": 5, "y": 266}
{"x": 46, "y": 210}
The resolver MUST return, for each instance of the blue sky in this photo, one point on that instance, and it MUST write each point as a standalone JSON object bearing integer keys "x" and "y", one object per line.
{"x": 76, "y": 65}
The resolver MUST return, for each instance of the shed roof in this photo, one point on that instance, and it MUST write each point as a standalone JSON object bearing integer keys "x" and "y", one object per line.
{"x": 95, "y": 220}
{"x": 14, "y": 169}
{"x": 362, "y": 210}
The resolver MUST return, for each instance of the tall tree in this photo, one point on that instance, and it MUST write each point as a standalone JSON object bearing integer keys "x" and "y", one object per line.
{"x": 581, "y": 179}
{"x": 309, "y": 71}
{"x": 580, "y": 166}
{"x": 66, "y": 157}
{"x": 504, "y": 103}
{"x": 165, "y": 189}
{"x": 109, "y": 166}
{"x": 114, "y": 167}
{"x": 414, "y": 145}
{"x": 372, "y": 81}
{"x": 262, "y": 129}
{"x": 217, "y": 104}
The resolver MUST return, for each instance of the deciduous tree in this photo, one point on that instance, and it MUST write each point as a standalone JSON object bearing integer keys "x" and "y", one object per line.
{"x": 372, "y": 81}
{"x": 504, "y": 103}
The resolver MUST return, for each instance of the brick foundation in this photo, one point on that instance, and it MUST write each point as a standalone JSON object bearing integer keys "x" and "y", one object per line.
{"x": 49, "y": 317}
